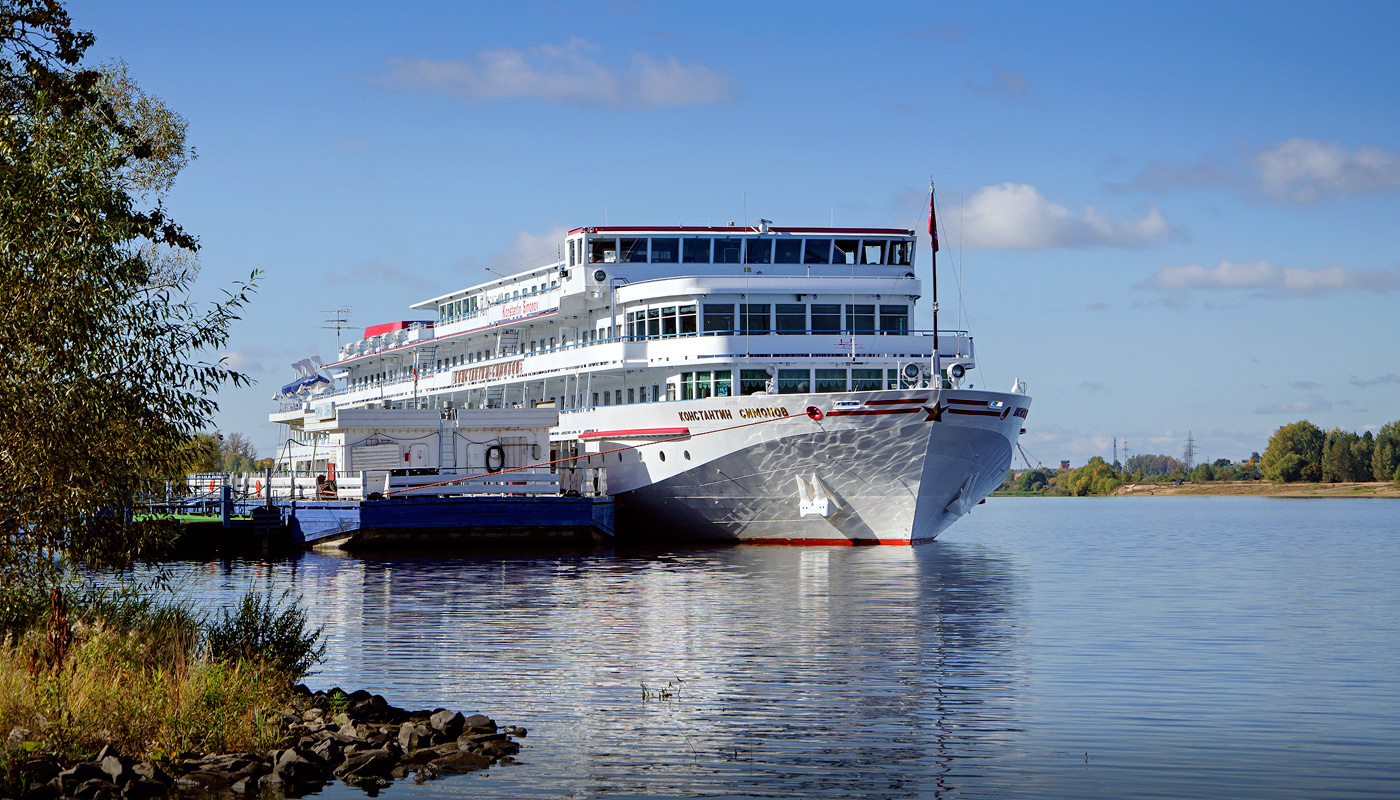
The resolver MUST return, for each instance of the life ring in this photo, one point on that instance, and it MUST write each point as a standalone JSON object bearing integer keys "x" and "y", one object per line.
{"x": 495, "y": 458}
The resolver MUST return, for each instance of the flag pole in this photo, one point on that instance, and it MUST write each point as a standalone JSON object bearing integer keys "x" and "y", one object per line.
{"x": 933, "y": 240}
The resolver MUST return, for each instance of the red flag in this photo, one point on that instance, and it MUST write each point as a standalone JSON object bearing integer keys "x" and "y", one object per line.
{"x": 932, "y": 226}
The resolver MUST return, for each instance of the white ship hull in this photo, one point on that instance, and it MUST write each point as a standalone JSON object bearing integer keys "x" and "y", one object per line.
{"x": 875, "y": 469}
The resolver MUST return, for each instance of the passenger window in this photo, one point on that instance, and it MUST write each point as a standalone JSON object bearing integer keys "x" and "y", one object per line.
{"x": 817, "y": 251}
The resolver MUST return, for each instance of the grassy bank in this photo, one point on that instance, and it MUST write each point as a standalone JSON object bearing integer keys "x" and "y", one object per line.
{"x": 92, "y": 667}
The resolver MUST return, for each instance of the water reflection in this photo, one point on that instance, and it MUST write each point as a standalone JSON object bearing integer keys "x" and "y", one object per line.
{"x": 856, "y": 672}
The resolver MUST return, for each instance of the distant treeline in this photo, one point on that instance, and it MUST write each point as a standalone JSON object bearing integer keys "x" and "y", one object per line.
{"x": 1300, "y": 451}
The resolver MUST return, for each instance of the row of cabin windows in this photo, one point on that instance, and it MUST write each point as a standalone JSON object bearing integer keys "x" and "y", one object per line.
{"x": 738, "y": 250}
{"x": 765, "y": 318}
{"x": 699, "y": 385}
{"x": 720, "y": 383}
{"x": 468, "y": 305}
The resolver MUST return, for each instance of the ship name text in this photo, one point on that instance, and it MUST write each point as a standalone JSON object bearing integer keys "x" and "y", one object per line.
{"x": 486, "y": 373}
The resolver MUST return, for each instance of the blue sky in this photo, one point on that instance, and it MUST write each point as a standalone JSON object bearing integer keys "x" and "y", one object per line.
{"x": 1165, "y": 217}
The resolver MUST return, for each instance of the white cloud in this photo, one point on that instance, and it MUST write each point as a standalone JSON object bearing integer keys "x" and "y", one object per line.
{"x": 1006, "y": 83}
{"x": 1377, "y": 381}
{"x": 1296, "y": 170}
{"x": 1305, "y": 170}
{"x": 530, "y": 250}
{"x": 1314, "y": 405}
{"x": 567, "y": 74}
{"x": 1017, "y": 216}
{"x": 1271, "y": 279}
{"x": 374, "y": 272}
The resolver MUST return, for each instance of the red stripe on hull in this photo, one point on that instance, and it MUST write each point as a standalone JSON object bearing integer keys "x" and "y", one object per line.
{"x": 899, "y": 401}
{"x": 861, "y": 412}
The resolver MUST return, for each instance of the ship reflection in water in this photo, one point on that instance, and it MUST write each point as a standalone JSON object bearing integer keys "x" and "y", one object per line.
{"x": 852, "y": 672}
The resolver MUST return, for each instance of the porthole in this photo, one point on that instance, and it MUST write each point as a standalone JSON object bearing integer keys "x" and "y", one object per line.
{"x": 663, "y": 456}
{"x": 687, "y": 455}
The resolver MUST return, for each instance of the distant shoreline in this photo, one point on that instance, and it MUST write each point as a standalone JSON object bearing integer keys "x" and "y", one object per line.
{"x": 1261, "y": 488}
{"x": 1383, "y": 489}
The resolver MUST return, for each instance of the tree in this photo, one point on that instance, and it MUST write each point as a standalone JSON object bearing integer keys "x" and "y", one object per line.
{"x": 1203, "y": 473}
{"x": 1294, "y": 453}
{"x": 239, "y": 455}
{"x": 1034, "y": 480}
{"x": 1339, "y": 458}
{"x": 1385, "y": 453}
{"x": 1151, "y": 465}
{"x": 105, "y": 384}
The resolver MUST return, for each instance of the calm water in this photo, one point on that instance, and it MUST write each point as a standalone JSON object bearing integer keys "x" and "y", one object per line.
{"x": 1140, "y": 647}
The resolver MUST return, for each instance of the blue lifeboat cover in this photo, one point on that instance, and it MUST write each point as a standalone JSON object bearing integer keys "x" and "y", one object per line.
{"x": 303, "y": 384}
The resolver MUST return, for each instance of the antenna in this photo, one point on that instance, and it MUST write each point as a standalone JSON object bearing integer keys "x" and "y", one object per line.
{"x": 336, "y": 320}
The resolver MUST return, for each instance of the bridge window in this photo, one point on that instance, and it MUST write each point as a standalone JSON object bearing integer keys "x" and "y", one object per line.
{"x": 634, "y": 251}
{"x": 831, "y": 380}
{"x": 826, "y": 318}
{"x": 794, "y": 381}
{"x": 759, "y": 251}
{"x": 653, "y": 323}
{"x": 752, "y": 380}
{"x": 792, "y": 318}
{"x": 602, "y": 251}
{"x": 860, "y": 318}
{"x": 572, "y": 243}
{"x": 866, "y": 380}
{"x": 722, "y": 383}
{"x": 872, "y": 251}
{"x": 845, "y": 252}
{"x": 668, "y": 321}
{"x": 894, "y": 319}
{"x": 697, "y": 251}
{"x": 687, "y": 320}
{"x": 787, "y": 251}
{"x": 719, "y": 318}
{"x": 665, "y": 251}
{"x": 727, "y": 251}
{"x": 900, "y": 253}
{"x": 817, "y": 251}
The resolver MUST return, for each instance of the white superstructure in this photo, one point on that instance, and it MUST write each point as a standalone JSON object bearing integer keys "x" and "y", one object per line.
{"x": 755, "y": 384}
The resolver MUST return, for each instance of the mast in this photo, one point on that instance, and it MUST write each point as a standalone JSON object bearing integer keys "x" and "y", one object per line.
{"x": 933, "y": 238}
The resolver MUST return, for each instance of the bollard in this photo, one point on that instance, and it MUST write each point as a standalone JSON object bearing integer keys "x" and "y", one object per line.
{"x": 226, "y": 505}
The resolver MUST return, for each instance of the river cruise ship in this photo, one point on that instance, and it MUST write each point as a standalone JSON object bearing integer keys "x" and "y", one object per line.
{"x": 754, "y": 384}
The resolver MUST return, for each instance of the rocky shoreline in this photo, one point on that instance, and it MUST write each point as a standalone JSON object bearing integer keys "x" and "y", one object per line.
{"x": 357, "y": 738}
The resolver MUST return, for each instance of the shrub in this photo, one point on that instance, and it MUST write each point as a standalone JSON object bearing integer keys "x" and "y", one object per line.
{"x": 275, "y": 633}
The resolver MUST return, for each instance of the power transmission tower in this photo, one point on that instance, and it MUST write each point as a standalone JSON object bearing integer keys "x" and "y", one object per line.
{"x": 336, "y": 320}
{"x": 1188, "y": 457}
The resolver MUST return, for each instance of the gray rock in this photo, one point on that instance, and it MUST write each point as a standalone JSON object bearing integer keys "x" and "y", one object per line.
{"x": 329, "y": 751}
{"x": 82, "y": 772}
{"x": 449, "y": 722}
{"x": 87, "y": 790}
{"x": 479, "y": 723}
{"x": 427, "y": 754}
{"x": 150, "y": 772}
{"x": 367, "y": 763}
{"x": 245, "y": 785}
{"x": 295, "y": 768}
{"x": 459, "y": 762}
{"x": 209, "y": 780}
{"x": 517, "y": 731}
{"x": 145, "y": 787}
{"x": 41, "y": 791}
{"x": 117, "y": 771}
{"x": 413, "y": 735}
